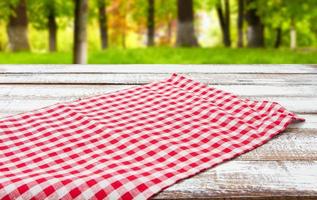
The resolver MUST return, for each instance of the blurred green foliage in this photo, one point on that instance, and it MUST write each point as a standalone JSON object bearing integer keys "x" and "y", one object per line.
{"x": 171, "y": 56}
{"x": 127, "y": 19}
{"x": 38, "y": 11}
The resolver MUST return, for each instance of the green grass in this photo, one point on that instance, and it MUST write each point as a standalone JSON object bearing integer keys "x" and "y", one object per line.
{"x": 171, "y": 56}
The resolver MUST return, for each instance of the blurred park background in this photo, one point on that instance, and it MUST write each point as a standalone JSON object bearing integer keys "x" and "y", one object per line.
{"x": 158, "y": 31}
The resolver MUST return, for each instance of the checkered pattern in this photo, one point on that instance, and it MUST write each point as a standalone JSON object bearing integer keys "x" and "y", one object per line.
{"x": 130, "y": 144}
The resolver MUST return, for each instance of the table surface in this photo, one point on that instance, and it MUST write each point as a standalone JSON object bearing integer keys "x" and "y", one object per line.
{"x": 283, "y": 168}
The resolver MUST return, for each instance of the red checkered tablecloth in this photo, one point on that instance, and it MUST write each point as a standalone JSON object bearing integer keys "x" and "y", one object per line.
{"x": 132, "y": 143}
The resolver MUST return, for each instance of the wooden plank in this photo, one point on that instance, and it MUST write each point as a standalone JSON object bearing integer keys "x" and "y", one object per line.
{"x": 293, "y": 144}
{"x": 295, "y": 104}
{"x": 310, "y": 123}
{"x": 19, "y": 103}
{"x": 88, "y": 90}
{"x": 248, "y": 179}
{"x": 135, "y": 79}
{"x": 159, "y": 68}
{"x": 297, "y": 197}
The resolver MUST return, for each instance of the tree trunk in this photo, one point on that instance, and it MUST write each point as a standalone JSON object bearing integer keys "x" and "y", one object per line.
{"x": 240, "y": 22}
{"x": 52, "y": 28}
{"x": 103, "y": 26}
{"x": 150, "y": 23}
{"x": 293, "y": 34}
{"x": 227, "y": 29}
{"x": 18, "y": 28}
{"x": 255, "y": 27}
{"x": 169, "y": 30}
{"x": 123, "y": 40}
{"x": 185, "y": 25}
{"x": 278, "y": 39}
{"x": 80, "y": 32}
{"x": 224, "y": 20}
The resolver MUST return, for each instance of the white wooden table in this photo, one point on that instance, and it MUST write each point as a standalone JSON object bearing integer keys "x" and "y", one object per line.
{"x": 281, "y": 169}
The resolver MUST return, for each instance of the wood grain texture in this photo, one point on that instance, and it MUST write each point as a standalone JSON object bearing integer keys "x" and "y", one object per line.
{"x": 284, "y": 168}
{"x": 292, "y": 144}
{"x": 246, "y": 179}
{"x": 87, "y": 90}
{"x": 142, "y": 78}
{"x": 159, "y": 68}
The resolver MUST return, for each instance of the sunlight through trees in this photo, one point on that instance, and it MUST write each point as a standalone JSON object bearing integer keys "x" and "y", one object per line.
{"x": 174, "y": 23}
